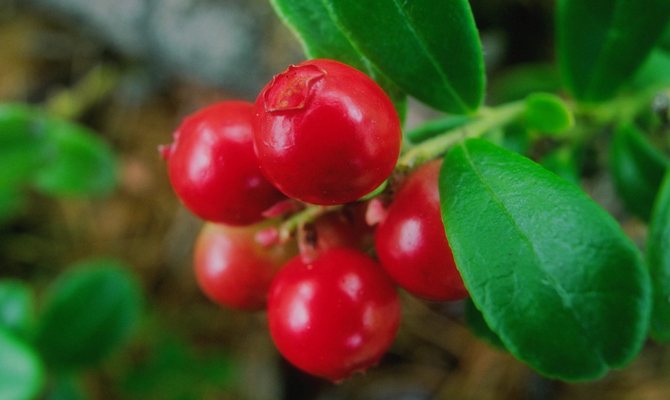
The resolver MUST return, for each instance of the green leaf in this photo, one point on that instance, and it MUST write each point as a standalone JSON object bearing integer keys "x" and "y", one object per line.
{"x": 552, "y": 273}
{"x": 17, "y": 308}
{"x": 91, "y": 311}
{"x": 436, "y": 127}
{"x": 637, "y": 169}
{"x": 547, "y": 113}
{"x": 658, "y": 256}
{"x": 21, "y": 371}
{"x": 655, "y": 72}
{"x": 322, "y": 38}
{"x": 520, "y": 81}
{"x": 22, "y": 141}
{"x": 65, "y": 387}
{"x": 516, "y": 138}
{"x": 173, "y": 369}
{"x": 564, "y": 163}
{"x": 475, "y": 320}
{"x": 430, "y": 49}
{"x": 77, "y": 162}
{"x": 11, "y": 202}
{"x": 601, "y": 43}
{"x": 664, "y": 43}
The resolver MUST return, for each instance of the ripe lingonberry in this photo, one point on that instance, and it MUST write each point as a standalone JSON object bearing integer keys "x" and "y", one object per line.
{"x": 411, "y": 242}
{"x": 232, "y": 269}
{"x": 326, "y": 133}
{"x": 213, "y": 167}
{"x": 334, "y": 316}
{"x": 344, "y": 228}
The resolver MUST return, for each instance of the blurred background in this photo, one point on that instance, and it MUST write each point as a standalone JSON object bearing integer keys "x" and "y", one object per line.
{"x": 128, "y": 71}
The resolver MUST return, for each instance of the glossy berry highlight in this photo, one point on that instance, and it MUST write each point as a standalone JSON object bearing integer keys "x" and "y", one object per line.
{"x": 213, "y": 168}
{"x": 411, "y": 242}
{"x": 326, "y": 133}
{"x": 233, "y": 270}
{"x": 334, "y": 316}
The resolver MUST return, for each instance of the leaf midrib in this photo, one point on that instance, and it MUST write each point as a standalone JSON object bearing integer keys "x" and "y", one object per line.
{"x": 436, "y": 65}
{"x": 558, "y": 288}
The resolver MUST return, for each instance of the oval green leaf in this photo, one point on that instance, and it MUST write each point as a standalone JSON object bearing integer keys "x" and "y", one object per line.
{"x": 322, "y": 38}
{"x": 547, "y": 113}
{"x": 552, "y": 273}
{"x": 90, "y": 312}
{"x": 21, "y": 371}
{"x": 430, "y": 49}
{"x": 17, "y": 308}
{"x": 658, "y": 256}
{"x": 637, "y": 169}
{"x": 77, "y": 162}
{"x": 601, "y": 43}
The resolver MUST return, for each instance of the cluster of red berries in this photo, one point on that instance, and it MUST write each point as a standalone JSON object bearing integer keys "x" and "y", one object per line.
{"x": 321, "y": 133}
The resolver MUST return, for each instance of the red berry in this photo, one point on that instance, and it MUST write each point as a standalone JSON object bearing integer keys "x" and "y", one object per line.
{"x": 411, "y": 242}
{"x": 334, "y": 316}
{"x": 326, "y": 133}
{"x": 213, "y": 167}
{"x": 232, "y": 269}
{"x": 344, "y": 228}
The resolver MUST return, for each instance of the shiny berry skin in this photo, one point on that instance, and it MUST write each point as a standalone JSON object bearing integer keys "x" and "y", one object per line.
{"x": 326, "y": 133}
{"x": 411, "y": 243}
{"x": 232, "y": 269}
{"x": 213, "y": 167}
{"x": 334, "y": 316}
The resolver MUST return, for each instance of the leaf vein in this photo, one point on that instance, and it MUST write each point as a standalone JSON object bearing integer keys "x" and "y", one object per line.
{"x": 564, "y": 296}
{"x": 421, "y": 41}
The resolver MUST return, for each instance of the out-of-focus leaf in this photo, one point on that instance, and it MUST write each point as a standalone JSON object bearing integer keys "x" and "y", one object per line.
{"x": 22, "y": 141}
{"x": 11, "y": 202}
{"x": 516, "y": 138}
{"x": 174, "y": 371}
{"x": 637, "y": 169}
{"x": 658, "y": 256}
{"x": 65, "y": 387}
{"x": 519, "y": 82}
{"x": 547, "y": 113}
{"x": 601, "y": 43}
{"x": 21, "y": 371}
{"x": 436, "y": 127}
{"x": 77, "y": 162}
{"x": 90, "y": 312}
{"x": 664, "y": 43}
{"x": 564, "y": 162}
{"x": 655, "y": 72}
{"x": 322, "y": 38}
{"x": 17, "y": 308}
{"x": 553, "y": 274}
{"x": 430, "y": 49}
